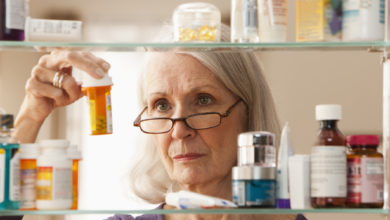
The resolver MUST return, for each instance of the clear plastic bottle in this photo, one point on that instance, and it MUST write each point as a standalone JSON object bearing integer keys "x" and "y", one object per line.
{"x": 328, "y": 161}
{"x": 9, "y": 165}
{"x": 12, "y": 19}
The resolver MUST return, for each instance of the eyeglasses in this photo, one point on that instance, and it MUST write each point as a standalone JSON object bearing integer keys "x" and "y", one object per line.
{"x": 197, "y": 121}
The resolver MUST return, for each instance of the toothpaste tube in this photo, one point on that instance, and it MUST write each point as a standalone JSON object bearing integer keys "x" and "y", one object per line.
{"x": 190, "y": 200}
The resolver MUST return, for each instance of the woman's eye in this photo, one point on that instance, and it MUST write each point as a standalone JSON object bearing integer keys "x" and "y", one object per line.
{"x": 161, "y": 105}
{"x": 204, "y": 100}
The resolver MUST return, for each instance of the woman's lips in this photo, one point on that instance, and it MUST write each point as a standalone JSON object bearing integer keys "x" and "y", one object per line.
{"x": 187, "y": 157}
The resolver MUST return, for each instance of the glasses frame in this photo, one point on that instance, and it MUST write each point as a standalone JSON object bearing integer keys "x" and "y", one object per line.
{"x": 137, "y": 121}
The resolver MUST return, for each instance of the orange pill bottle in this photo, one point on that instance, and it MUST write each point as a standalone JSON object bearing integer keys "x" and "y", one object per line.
{"x": 98, "y": 92}
{"x": 75, "y": 156}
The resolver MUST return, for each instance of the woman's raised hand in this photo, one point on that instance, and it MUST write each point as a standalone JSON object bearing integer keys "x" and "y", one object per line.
{"x": 51, "y": 85}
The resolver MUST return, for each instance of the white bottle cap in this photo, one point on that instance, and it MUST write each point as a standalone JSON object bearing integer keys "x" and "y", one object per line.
{"x": 55, "y": 143}
{"x": 29, "y": 151}
{"x": 89, "y": 81}
{"x": 73, "y": 153}
{"x": 328, "y": 112}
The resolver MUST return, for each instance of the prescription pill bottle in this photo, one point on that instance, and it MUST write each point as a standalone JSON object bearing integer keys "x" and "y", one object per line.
{"x": 75, "y": 156}
{"x": 54, "y": 178}
{"x": 28, "y": 175}
{"x": 98, "y": 92}
{"x": 197, "y": 22}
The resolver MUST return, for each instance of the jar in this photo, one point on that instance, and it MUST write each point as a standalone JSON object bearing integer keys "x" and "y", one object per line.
{"x": 256, "y": 148}
{"x": 75, "y": 156}
{"x": 98, "y": 92}
{"x": 54, "y": 179}
{"x": 197, "y": 22}
{"x": 254, "y": 186}
{"x": 365, "y": 172}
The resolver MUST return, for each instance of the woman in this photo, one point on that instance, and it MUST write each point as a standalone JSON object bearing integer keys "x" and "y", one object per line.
{"x": 207, "y": 99}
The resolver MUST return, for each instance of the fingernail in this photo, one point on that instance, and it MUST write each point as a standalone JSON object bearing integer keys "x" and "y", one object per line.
{"x": 106, "y": 66}
{"x": 99, "y": 72}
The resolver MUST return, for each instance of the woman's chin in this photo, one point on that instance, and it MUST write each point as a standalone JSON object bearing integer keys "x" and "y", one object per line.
{"x": 191, "y": 176}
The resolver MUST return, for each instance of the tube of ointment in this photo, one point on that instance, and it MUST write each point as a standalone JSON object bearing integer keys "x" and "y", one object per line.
{"x": 285, "y": 151}
{"x": 52, "y": 30}
{"x": 190, "y": 200}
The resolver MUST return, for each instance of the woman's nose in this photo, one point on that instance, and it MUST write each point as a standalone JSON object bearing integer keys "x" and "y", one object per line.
{"x": 180, "y": 130}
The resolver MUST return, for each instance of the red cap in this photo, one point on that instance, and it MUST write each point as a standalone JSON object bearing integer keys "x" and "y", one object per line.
{"x": 363, "y": 140}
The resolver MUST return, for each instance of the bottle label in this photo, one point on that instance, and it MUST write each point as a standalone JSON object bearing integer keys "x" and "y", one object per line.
{"x": 365, "y": 180}
{"x": 45, "y": 183}
{"x": 328, "y": 171}
{"x": 54, "y": 183}
{"x": 92, "y": 114}
{"x": 14, "y": 180}
{"x": 15, "y": 14}
{"x": 239, "y": 192}
{"x": 108, "y": 112}
{"x": 2, "y": 174}
{"x": 28, "y": 176}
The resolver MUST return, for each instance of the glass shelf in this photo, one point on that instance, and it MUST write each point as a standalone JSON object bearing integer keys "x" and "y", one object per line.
{"x": 195, "y": 211}
{"x": 376, "y": 46}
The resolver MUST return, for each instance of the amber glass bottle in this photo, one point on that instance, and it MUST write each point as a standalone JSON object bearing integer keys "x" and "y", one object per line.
{"x": 328, "y": 161}
{"x": 365, "y": 172}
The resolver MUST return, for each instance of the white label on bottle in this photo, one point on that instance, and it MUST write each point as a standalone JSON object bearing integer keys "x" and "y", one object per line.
{"x": 2, "y": 174}
{"x": 15, "y": 14}
{"x": 14, "y": 178}
{"x": 328, "y": 171}
{"x": 372, "y": 180}
{"x": 109, "y": 113}
{"x": 239, "y": 192}
{"x": 28, "y": 179}
{"x": 62, "y": 183}
{"x": 53, "y": 30}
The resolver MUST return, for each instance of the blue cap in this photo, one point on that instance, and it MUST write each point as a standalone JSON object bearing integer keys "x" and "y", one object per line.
{"x": 283, "y": 204}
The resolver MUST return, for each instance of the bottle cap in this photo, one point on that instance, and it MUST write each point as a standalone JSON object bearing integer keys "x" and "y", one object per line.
{"x": 328, "y": 112}
{"x": 253, "y": 173}
{"x": 89, "y": 81}
{"x": 363, "y": 140}
{"x": 73, "y": 153}
{"x": 55, "y": 143}
{"x": 256, "y": 138}
{"x": 6, "y": 121}
{"x": 196, "y": 13}
{"x": 29, "y": 151}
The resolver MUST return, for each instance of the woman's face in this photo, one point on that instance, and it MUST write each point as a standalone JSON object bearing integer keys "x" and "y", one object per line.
{"x": 178, "y": 85}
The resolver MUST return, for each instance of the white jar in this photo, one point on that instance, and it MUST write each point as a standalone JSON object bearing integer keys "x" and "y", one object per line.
{"x": 54, "y": 180}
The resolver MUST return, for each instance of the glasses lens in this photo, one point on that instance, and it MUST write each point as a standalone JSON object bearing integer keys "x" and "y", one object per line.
{"x": 156, "y": 125}
{"x": 204, "y": 121}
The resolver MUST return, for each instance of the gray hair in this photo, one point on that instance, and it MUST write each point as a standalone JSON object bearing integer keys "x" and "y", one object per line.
{"x": 241, "y": 73}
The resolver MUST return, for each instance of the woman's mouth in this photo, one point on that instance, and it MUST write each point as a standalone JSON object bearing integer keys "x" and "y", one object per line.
{"x": 187, "y": 157}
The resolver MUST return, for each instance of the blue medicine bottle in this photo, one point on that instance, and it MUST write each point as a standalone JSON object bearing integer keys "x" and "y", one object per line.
{"x": 9, "y": 165}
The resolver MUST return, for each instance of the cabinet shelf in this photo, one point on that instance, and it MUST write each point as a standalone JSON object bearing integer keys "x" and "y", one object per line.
{"x": 222, "y": 46}
{"x": 195, "y": 211}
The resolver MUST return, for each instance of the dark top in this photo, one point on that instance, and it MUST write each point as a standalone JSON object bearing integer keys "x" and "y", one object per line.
{"x": 161, "y": 217}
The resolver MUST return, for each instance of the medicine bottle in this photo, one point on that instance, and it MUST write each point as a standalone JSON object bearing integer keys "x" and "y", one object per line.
{"x": 28, "y": 176}
{"x": 12, "y": 18}
{"x": 98, "y": 92}
{"x": 54, "y": 180}
{"x": 75, "y": 156}
{"x": 197, "y": 22}
{"x": 365, "y": 172}
{"x": 9, "y": 165}
{"x": 328, "y": 160}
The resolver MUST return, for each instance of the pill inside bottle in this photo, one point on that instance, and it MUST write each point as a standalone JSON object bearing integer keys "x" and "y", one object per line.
{"x": 98, "y": 93}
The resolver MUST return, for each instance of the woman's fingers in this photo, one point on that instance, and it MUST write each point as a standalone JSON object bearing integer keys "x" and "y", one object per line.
{"x": 85, "y": 61}
{"x": 71, "y": 88}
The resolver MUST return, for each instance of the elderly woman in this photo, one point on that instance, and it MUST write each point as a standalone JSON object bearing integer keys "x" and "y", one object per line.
{"x": 194, "y": 105}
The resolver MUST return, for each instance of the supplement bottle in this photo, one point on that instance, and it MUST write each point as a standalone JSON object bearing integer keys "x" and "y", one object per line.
{"x": 98, "y": 92}
{"x": 28, "y": 175}
{"x": 365, "y": 172}
{"x": 75, "y": 156}
{"x": 54, "y": 180}
{"x": 328, "y": 161}
{"x": 12, "y": 18}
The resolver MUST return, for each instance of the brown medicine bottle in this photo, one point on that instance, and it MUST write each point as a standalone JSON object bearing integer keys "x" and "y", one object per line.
{"x": 365, "y": 172}
{"x": 328, "y": 161}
